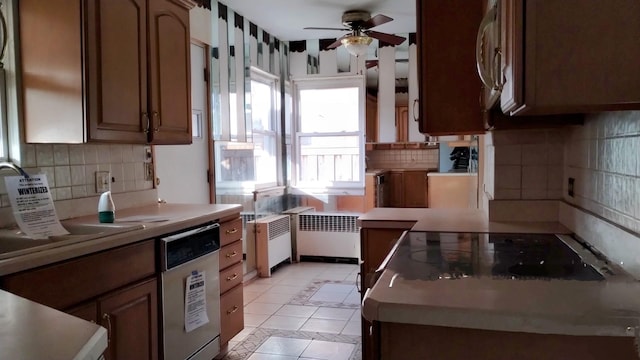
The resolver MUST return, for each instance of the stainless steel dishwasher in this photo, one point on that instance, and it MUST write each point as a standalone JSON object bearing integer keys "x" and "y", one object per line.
{"x": 191, "y": 316}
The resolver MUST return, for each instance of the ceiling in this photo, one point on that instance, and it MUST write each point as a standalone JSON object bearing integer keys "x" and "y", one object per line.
{"x": 286, "y": 19}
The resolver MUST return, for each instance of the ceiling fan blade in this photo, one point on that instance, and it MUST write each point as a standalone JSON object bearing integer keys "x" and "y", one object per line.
{"x": 325, "y": 28}
{"x": 371, "y": 63}
{"x": 388, "y": 38}
{"x": 376, "y": 20}
{"x": 336, "y": 43}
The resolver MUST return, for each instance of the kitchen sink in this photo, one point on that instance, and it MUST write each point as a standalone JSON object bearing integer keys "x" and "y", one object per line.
{"x": 14, "y": 242}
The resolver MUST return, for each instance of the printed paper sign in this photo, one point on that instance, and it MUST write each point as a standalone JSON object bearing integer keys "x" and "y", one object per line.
{"x": 33, "y": 207}
{"x": 195, "y": 302}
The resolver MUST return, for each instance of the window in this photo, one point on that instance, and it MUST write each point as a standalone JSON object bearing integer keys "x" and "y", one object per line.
{"x": 330, "y": 134}
{"x": 242, "y": 167}
{"x": 265, "y": 128}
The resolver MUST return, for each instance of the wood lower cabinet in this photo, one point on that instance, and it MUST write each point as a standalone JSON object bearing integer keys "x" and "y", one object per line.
{"x": 448, "y": 82}
{"x": 116, "y": 288}
{"x": 409, "y": 341}
{"x": 111, "y": 71}
{"x": 375, "y": 244}
{"x": 131, "y": 319}
{"x": 231, "y": 271}
{"x": 408, "y": 188}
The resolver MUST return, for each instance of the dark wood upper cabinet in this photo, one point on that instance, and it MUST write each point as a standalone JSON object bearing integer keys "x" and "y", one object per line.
{"x": 120, "y": 71}
{"x": 449, "y": 85}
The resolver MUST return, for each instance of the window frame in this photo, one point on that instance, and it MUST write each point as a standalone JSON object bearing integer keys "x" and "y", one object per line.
{"x": 258, "y": 75}
{"x": 320, "y": 83}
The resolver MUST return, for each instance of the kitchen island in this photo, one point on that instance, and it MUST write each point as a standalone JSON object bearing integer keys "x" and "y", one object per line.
{"x": 451, "y": 301}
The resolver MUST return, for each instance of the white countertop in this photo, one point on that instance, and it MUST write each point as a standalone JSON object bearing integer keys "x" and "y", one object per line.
{"x": 484, "y": 301}
{"x": 30, "y": 331}
{"x": 176, "y": 216}
{"x": 451, "y": 220}
{"x": 451, "y": 174}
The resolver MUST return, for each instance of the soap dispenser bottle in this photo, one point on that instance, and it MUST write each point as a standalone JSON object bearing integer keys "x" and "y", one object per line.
{"x": 106, "y": 209}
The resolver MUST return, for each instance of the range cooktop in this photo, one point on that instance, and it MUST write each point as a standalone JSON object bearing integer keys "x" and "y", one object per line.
{"x": 437, "y": 256}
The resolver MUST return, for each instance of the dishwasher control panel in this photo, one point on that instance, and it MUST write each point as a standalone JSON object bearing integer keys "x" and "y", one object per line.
{"x": 185, "y": 246}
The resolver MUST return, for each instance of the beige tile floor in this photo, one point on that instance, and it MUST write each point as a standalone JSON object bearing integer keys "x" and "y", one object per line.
{"x": 306, "y": 310}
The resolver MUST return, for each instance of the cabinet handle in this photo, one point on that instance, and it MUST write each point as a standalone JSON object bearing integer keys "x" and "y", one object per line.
{"x": 485, "y": 75}
{"x": 234, "y": 253}
{"x": 235, "y": 276}
{"x": 232, "y": 231}
{"x": 147, "y": 121}
{"x": 358, "y": 283}
{"x": 107, "y": 317}
{"x": 415, "y": 116}
{"x": 235, "y": 308}
{"x": 156, "y": 121}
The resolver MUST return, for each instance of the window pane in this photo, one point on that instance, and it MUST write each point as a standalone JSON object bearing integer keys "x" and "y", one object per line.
{"x": 262, "y": 106}
{"x": 329, "y": 158}
{"x": 329, "y": 110}
{"x": 265, "y": 157}
{"x": 235, "y": 162}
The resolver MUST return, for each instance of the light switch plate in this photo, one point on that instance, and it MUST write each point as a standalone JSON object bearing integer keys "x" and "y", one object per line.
{"x": 103, "y": 181}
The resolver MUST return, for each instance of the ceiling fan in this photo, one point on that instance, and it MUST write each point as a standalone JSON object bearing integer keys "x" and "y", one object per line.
{"x": 358, "y": 23}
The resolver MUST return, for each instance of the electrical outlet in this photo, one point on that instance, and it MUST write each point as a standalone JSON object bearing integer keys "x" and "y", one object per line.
{"x": 148, "y": 171}
{"x": 103, "y": 181}
{"x": 148, "y": 154}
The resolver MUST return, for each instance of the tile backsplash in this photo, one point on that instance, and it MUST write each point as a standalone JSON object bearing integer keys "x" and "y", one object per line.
{"x": 603, "y": 158}
{"x": 402, "y": 159}
{"x": 71, "y": 169}
{"x": 529, "y": 164}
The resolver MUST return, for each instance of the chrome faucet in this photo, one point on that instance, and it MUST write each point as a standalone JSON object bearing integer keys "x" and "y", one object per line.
{"x": 17, "y": 169}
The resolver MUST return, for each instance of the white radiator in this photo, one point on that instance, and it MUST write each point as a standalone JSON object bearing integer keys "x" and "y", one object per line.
{"x": 272, "y": 238}
{"x": 334, "y": 235}
{"x": 294, "y": 225}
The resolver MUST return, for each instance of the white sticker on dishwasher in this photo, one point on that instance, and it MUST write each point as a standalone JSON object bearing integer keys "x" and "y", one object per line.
{"x": 195, "y": 302}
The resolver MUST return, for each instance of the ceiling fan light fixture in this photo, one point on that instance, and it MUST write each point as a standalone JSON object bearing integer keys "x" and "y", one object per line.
{"x": 356, "y": 45}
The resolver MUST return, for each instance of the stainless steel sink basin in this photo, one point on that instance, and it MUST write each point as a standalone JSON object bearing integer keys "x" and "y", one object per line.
{"x": 14, "y": 243}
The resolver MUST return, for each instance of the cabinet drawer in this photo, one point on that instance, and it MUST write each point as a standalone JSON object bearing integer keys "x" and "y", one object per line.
{"x": 71, "y": 282}
{"x": 230, "y": 277}
{"x": 230, "y": 231}
{"x": 230, "y": 254}
{"x": 231, "y": 314}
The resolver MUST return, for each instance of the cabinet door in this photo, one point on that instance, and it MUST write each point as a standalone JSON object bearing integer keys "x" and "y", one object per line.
{"x": 169, "y": 64}
{"x": 396, "y": 192}
{"x": 449, "y": 85}
{"x": 131, "y": 319}
{"x": 372, "y": 118}
{"x": 402, "y": 124}
{"x": 415, "y": 188}
{"x": 117, "y": 70}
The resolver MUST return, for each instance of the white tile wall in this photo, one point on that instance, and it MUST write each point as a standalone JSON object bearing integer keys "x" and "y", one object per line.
{"x": 403, "y": 159}
{"x": 71, "y": 169}
{"x": 602, "y": 157}
{"x": 529, "y": 164}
